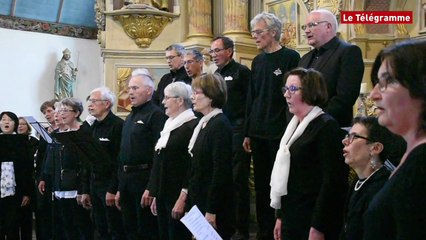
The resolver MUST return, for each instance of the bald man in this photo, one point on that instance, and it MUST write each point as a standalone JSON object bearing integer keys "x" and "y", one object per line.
{"x": 340, "y": 63}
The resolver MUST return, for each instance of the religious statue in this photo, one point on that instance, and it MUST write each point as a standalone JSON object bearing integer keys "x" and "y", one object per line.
{"x": 65, "y": 76}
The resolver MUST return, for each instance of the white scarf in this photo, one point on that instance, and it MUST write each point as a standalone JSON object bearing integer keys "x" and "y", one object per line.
{"x": 171, "y": 124}
{"x": 280, "y": 172}
{"x": 201, "y": 124}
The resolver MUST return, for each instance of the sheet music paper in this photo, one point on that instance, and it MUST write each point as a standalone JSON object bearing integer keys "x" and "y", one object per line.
{"x": 36, "y": 125}
{"x": 198, "y": 225}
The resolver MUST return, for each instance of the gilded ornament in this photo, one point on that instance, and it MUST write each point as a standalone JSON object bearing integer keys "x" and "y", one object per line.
{"x": 100, "y": 21}
{"x": 143, "y": 28}
{"x": 309, "y": 4}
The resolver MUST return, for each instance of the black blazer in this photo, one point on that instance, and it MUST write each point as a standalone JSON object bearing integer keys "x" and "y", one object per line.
{"x": 72, "y": 152}
{"x": 171, "y": 164}
{"x": 342, "y": 67}
{"x": 358, "y": 202}
{"x": 16, "y": 148}
{"x": 317, "y": 182}
{"x": 210, "y": 184}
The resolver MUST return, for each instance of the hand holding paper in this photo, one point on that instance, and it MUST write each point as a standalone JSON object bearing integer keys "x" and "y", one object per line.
{"x": 198, "y": 225}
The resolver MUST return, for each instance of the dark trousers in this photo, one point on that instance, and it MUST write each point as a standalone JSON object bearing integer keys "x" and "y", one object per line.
{"x": 107, "y": 219}
{"x": 9, "y": 207}
{"x": 26, "y": 216}
{"x": 139, "y": 223}
{"x": 48, "y": 219}
{"x": 298, "y": 227}
{"x": 170, "y": 228}
{"x": 264, "y": 153}
{"x": 76, "y": 221}
{"x": 293, "y": 234}
{"x": 241, "y": 174}
{"x": 26, "y": 222}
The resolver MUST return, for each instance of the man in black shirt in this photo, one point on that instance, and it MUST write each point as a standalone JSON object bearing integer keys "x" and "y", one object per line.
{"x": 174, "y": 57}
{"x": 106, "y": 130}
{"x": 237, "y": 78}
{"x": 340, "y": 63}
{"x": 141, "y": 131}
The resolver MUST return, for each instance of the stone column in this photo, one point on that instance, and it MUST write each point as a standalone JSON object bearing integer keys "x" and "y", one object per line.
{"x": 200, "y": 19}
{"x": 236, "y": 17}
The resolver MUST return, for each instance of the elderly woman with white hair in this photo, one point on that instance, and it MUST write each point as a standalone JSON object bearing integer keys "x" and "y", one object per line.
{"x": 171, "y": 162}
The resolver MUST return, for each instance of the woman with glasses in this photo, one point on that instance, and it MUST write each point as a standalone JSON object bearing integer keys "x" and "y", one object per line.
{"x": 210, "y": 185}
{"x": 171, "y": 163}
{"x": 398, "y": 211}
{"x": 70, "y": 169}
{"x": 26, "y": 216}
{"x": 366, "y": 147}
{"x": 309, "y": 178}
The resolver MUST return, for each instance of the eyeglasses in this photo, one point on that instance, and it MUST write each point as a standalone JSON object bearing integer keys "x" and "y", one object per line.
{"x": 94, "y": 101}
{"x": 291, "y": 89}
{"x": 171, "y": 57}
{"x": 258, "y": 32}
{"x": 189, "y": 62}
{"x": 66, "y": 110}
{"x": 216, "y": 50}
{"x": 312, "y": 24}
{"x": 168, "y": 97}
{"x": 385, "y": 80}
{"x": 352, "y": 136}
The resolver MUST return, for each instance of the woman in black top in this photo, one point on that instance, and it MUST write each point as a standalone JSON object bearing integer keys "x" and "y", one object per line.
{"x": 171, "y": 163}
{"x": 26, "y": 217}
{"x": 25, "y": 128}
{"x": 15, "y": 172}
{"x": 366, "y": 147}
{"x": 398, "y": 211}
{"x": 309, "y": 178}
{"x": 210, "y": 183}
{"x": 70, "y": 165}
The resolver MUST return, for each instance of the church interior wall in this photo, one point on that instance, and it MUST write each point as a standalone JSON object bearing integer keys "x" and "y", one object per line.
{"x": 27, "y": 66}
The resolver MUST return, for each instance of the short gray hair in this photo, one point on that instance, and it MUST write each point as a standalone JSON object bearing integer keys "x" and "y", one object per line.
{"x": 180, "y": 89}
{"x": 74, "y": 103}
{"x": 198, "y": 56}
{"x": 179, "y": 49}
{"x": 272, "y": 23}
{"x": 106, "y": 94}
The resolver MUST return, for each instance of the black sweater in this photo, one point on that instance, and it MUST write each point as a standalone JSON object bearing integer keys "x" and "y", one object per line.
{"x": 237, "y": 78}
{"x": 174, "y": 76}
{"x": 266, "y": 107}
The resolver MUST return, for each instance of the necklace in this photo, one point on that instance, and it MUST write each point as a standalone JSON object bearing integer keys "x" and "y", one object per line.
{"x": 359, "y": 183}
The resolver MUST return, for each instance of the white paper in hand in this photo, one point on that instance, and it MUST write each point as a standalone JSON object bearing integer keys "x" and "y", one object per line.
{"x": 198, "y": 225}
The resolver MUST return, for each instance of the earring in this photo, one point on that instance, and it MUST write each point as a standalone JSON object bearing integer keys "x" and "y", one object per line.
{"x": 373, "y": 163}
